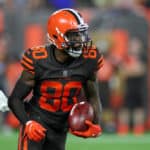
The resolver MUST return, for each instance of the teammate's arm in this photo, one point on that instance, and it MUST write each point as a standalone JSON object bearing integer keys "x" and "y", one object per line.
{"x": 16, "y": 100}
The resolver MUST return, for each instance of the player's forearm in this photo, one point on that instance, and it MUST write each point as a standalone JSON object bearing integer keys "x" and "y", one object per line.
{"x": 17, "y": 107}
{"x": 15, "y": 101}
{"x": 93, "y": 97}
{"x": 97, "y": 110}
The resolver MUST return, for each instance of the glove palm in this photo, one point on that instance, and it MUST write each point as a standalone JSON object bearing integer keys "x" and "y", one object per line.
{"x": 93, "y": 130}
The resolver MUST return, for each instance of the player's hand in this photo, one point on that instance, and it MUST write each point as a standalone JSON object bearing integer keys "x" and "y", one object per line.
{"x": 34, "y": 131}
{"x": 94, "y": 130}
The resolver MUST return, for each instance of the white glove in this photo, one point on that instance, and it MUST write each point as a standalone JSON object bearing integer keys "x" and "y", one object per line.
{"x": 3, "y": 102}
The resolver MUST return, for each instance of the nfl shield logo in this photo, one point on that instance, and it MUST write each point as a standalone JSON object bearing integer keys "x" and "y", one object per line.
{"x": 65, "y": 73}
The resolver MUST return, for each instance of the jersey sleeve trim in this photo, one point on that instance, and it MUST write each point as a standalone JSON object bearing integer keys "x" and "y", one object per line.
{"x": 27, "y": 67}
{"x": 27, "y": 62}
{"x": 100, "y": 62}
{"x": 27, "y": 59}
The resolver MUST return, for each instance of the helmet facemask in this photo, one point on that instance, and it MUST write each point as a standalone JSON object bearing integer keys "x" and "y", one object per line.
{"x": 75, "y": 41}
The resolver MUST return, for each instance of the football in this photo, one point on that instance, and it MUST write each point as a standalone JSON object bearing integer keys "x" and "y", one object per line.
{"x": 79, "y": 113}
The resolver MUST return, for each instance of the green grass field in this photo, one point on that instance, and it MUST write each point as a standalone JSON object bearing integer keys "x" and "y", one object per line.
{"x": 105, "y": 142}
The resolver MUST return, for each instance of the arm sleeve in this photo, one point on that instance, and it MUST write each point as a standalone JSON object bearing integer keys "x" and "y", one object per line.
{"x": 16, "y": 99}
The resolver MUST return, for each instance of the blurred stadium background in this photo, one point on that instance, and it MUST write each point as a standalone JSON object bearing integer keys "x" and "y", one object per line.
{"x": 120, "y": 29}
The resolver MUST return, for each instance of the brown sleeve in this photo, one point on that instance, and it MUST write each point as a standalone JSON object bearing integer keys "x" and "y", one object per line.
{"x": 27, "y": 61}
{"x": 16, "y": 100}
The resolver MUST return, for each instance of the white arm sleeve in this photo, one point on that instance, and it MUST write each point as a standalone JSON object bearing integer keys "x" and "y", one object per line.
{"x": 3, "y": 102}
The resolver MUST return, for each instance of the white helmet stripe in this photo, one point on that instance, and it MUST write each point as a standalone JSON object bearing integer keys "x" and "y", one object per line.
{"x": 80, "y": 19}
{"x": 76, "y": 14}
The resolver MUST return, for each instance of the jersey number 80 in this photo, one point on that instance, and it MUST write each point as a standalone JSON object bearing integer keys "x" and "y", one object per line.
{"x": 55, "y": 95}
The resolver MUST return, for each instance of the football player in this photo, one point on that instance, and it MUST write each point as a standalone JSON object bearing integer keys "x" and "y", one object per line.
{"x": 56, "y": 74}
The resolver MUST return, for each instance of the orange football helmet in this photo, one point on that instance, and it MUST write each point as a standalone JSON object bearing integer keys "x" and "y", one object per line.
{"x": 62, "y": 25}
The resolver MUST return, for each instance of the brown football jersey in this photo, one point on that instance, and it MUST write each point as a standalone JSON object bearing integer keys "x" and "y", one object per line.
{"x": 58, "y": 86}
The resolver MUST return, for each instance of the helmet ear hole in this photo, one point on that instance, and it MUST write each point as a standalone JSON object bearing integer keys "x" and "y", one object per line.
{"x": 55, "y": 36}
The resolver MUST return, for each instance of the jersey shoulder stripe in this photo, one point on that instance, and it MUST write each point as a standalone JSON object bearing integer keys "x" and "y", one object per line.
{"x": 100, "y": 62}
{"x": 31, "y": 56}
{"x": 27, "y": 61}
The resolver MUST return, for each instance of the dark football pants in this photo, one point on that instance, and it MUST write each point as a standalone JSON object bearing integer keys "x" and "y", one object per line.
{"x": 54, "y": 140}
